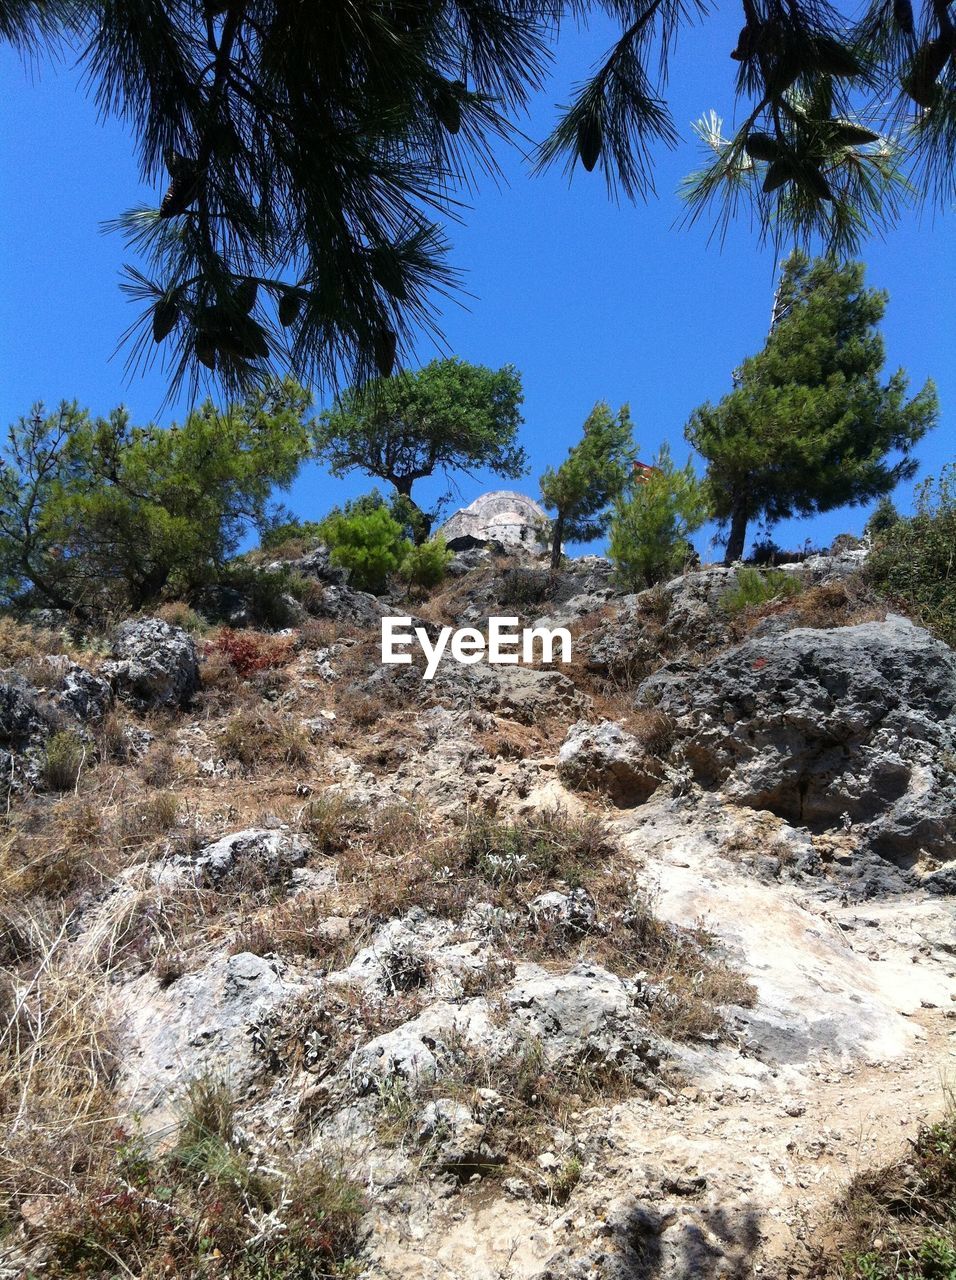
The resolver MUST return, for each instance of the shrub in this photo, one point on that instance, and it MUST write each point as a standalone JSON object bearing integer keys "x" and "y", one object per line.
{"x": 302, "y": 534}
{"x": 265, "y": 591}
{"x": 427, "y": 564}
{"x": 251, "y": 651}
{"x": 914, "y": 560}
{"x": 550, "y": 844}
{"x": 62, "y": 760}
{"x": 524, "y": 588}
{"x": 179, "y": 614}
{"x": 756, "y": 587}
{"x": 651, "y": 526}
{"x": 250, "y": 738}
{"x": 202, "y": 1209}
{"x": 370, "y": 545}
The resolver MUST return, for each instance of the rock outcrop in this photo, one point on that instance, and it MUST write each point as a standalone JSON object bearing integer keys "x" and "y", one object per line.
{"x": 853, "y": 724}
{"x": 606, "y": 758}
{"x": 153, "y": 664}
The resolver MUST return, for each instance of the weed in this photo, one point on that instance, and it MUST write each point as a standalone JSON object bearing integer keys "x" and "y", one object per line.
{"x": 755, "y": 587}
{"x": 899, "y": 1222}
{"x": 62, "y": 761}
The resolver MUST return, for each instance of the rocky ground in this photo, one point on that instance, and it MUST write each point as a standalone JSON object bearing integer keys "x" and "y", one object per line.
{"x": 619, "y": 969}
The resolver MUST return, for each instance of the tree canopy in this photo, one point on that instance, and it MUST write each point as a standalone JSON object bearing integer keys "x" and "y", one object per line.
{"x": 450, "y": 415}
{"x": 594, "y": 473}
{"x": 97, "y": 514}
{"x": 309, "y": 156}
{"x": 809, "y": 426}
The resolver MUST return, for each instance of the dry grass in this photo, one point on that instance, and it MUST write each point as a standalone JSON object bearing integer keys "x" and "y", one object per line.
{"x": 303, "y": 926}
{"x": 202, "y": 1209}
{"x": 58, "y": 1059}
{"x": 253, "y": 738}
{"x": 897, "y": 1222}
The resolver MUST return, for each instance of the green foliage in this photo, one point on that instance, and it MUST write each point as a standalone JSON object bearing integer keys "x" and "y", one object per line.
{"x": 289, "y": 531}
{"x": 425, "y": 565}
{"x": 756, "y": 587}
{"x": 592, "y": 476}
{"x": 370, "y": 545}
{"x": 882, "y": 518}
{"x": 914, "y": 559}
{"x": 98, "y": 514}
{"x": 62, "y": 760}
{"x": 809, "y": 425}
{"x": 652, "y": 524}
{"x": 448, "y": 416}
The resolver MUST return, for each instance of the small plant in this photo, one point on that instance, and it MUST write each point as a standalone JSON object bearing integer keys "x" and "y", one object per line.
{"x": 425, "y": 565}
{"x": 62, "y": 761}
{"x": 550, "y": 844}
{"x": 151, "y": 817}
{"x": 899, "y": 1222}
{"x": 524, "y": 588}
{"x": 755, "y": 587}
{"x": 251, "y": 651}
{"x": 565, "y": 1180}
{"x": 179, "y": 614}
{"x": 328, "y": 820}
{"x": 252, "y": 737}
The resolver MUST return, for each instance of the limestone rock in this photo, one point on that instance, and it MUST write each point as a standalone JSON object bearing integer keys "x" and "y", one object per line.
{"x": 249, "y": 856}
{"x": 585, "y": 1015}
{"x": 197, "y": 1026}
{"x": 154, "y": 664}
{"x": 817, "y": 724}
{"x": 607, "y": 758}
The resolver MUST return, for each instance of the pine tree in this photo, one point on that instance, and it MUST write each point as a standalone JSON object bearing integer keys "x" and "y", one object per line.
{"x": 809, "y": 426}
{"x": 595, "y": 472}
{"x": 308, "y": 157}
{"x": 652, "y": 523}
{"x": 448, "y": 416}
{"x": 98, "y": 514}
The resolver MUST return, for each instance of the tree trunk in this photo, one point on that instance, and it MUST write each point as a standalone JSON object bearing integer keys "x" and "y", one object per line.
{"x": 738, "y": 531}
{"x": 557, "y": 537}
{"x": 421, "y": 520}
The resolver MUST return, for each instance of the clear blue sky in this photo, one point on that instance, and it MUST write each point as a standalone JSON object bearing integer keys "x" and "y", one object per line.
{"x": 590, "y": 300}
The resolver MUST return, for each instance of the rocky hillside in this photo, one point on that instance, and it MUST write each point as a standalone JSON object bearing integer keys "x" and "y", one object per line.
{"x": 618, "y": 969}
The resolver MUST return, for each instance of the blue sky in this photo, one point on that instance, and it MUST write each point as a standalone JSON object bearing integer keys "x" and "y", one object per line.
{"x": 589, "y": 299}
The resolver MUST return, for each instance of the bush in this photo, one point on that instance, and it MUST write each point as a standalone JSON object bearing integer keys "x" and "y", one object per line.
{"x": 62, "y": 761}
{"x": 550, "y": 844}
{"x": 304, "y": 533}
{"x": 651, "y": 527}
{"x": 267, "y": 592}
{"x": 251, "y": 651}
{"x": 198, "y": 1210}
{"x": 756, "y": 587}
{"x": 427, "y": 564}
{"x": 914, "y": 559}
{"x": 370, "y": 545}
